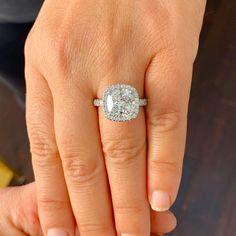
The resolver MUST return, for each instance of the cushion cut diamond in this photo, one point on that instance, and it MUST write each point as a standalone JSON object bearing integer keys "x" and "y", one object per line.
{"x": 121, "y": 102}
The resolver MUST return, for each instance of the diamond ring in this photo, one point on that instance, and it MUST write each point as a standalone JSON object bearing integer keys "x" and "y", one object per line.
{"x": 120, "y": 102}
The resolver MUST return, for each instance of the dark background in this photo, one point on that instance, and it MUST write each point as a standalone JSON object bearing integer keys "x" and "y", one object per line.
{"x": 206, "y": 205}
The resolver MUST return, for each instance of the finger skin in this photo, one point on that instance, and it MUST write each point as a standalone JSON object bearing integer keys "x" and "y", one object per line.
{"x": 124, "y": 143}
{"x": 167, "y": 122}
{"x": 54, "y": 206}
{"x": 168, "y": 82}
{"x": 162, "y": 222}
{"x": 124, "y": 148}
{"x": 18, "y": 212}
{"x": 79, "y": 145}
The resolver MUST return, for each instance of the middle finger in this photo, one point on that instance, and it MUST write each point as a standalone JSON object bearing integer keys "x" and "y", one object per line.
{"x": 79, "y": 145}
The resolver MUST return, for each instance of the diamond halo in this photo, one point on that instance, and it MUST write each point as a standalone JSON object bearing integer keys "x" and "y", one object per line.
{"x": 120, "y": 103}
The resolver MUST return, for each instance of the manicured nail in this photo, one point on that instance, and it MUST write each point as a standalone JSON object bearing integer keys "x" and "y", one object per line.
{"x": 57, "y": 232}
{"x": 160, "y": 201}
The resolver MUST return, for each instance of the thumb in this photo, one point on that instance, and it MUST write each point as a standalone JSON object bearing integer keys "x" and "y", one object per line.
{"x": 18, "y": 211}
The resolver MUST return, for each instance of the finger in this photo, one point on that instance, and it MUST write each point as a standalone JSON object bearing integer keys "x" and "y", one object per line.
{"x": 124, "y": 147}
{"x": 167, "y": 87}
{"x": 79, "y": 145}
{"x": 162, "y": 222}
{"x": 53, "y": 201}
{"x": 18, "y": 212}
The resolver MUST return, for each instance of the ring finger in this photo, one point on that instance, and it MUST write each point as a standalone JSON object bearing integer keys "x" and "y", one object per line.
{"x": 124, "y": 147}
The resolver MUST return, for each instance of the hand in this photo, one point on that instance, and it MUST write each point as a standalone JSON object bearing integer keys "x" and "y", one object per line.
{"x": 19, "y": 214}
{"x": 86, "y": 166}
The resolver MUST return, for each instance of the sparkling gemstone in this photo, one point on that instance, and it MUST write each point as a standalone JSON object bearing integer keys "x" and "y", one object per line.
{"x": 121, "y": 102}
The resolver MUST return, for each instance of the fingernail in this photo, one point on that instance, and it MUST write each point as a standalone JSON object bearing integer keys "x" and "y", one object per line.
{"x": 160, "y": 201}
{"x": 57, "y": 232}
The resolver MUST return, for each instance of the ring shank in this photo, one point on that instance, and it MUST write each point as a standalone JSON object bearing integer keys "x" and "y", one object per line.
{"x": 98, "y": 102}
{"x": 142, "y": 102}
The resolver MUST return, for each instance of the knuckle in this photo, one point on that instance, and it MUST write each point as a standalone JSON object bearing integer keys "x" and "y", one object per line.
{"x": 49, "y": 204}
{"x": 98, "y": 228}
{"x": 165, "y": 166}
{"x": 123, "y": 151}
{"x": 28, "y": 45}
{"x": 166, "y": 121}
{"x": 29, "y": 49}
{"x": 61, "y": 49}
{"x": 57, "y": 45}
{"x": 43, "y": 149}
{"x": 29, "y": 40}
{"x": 130, "y": 210}
{"x": 54, "y": 43}
{"x": 160, "y": 28}
{"x": 80, "y": 170}
{"x": 33, "y": 46}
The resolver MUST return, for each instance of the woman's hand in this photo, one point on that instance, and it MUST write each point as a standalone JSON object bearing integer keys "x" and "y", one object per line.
{"x": 19, "y": 214}
{"x": 89, "y": 167}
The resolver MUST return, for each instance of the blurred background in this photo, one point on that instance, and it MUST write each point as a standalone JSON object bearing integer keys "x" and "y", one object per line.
{"x": 206, "y": 204}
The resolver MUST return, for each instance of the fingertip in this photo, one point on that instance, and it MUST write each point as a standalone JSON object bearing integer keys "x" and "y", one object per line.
{"x": 163, "y": 186}
{"x": 163, "y": 222}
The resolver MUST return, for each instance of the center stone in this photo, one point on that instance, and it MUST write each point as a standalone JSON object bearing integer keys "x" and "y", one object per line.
{"x": 121, "y": 102}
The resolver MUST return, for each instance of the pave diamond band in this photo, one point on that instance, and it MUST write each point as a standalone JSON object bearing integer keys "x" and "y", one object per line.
{"x": 120, "y": 102}
{"x": 100, "y": 102}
